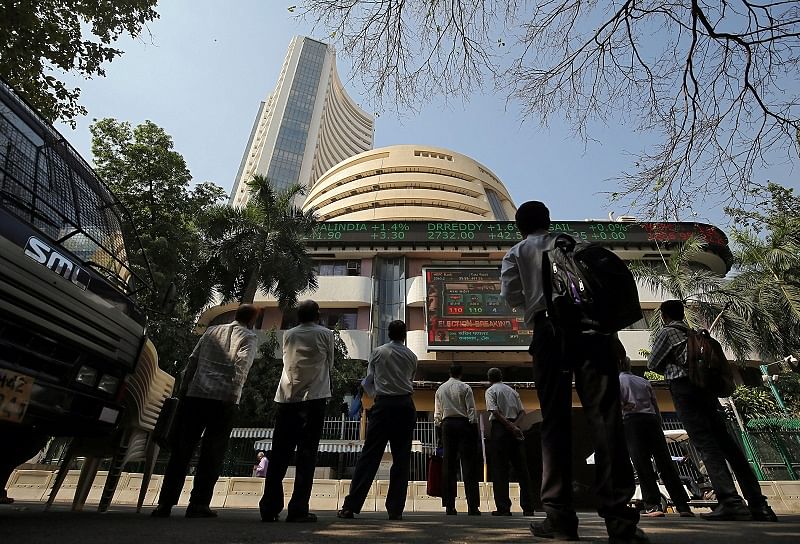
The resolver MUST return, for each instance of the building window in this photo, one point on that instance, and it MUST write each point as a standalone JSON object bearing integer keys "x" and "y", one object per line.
{"x": 497, "y": 207}
{"x": 338, "y": 268}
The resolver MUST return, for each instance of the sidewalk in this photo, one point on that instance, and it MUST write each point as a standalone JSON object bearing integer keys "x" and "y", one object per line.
{"x": 27, "y": 523}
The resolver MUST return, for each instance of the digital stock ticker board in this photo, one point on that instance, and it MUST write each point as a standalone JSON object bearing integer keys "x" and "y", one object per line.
{"x": 464, "y": 311}
{"x": 505, "y": 233}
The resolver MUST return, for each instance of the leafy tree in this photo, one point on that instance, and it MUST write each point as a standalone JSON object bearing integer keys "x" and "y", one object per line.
{"x": 261, "y": 245}
{"x": 767, "y": 241}
{"x": 706, "y": 295}
{"x": 46, "y": 39}
{"x": 755, "y": 403}
{"x": 151, "y": 179}
{"x": 713, "y": 80}
{"x": 257, "y": 406}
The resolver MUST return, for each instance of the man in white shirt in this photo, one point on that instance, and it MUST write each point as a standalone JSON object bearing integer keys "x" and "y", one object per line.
{"x": 303, "y": 392}
{"x": 508, "y": 446}
{"x": 558, "y": 355}
{"x": 454, "y": 412}
{"x": 391, "y": 421}
{"x": 210, "y": 389}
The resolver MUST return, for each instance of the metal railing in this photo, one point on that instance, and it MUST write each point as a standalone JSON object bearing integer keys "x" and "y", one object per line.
{"x": 47, "y": 184}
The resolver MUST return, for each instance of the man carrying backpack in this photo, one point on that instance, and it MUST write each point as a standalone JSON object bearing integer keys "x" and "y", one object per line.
{"x": 699, "y": 410}
{"x": 558, "y": 354}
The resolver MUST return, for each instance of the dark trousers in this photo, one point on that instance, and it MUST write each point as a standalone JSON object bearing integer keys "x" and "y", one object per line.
{"x": 699, "y": 411}
{"x": 297, "y": 425}
{"x": 507, "y": 450}
{"x": 645, "y": 441}
{"x": 557, "y": 356}
{"x": 460, "y": 443}
{"x": 207, "y": 418}
{"x": 391, "y": 421}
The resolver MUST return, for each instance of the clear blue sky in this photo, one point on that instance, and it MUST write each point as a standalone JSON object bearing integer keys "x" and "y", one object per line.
{"x": 205, "y": 66}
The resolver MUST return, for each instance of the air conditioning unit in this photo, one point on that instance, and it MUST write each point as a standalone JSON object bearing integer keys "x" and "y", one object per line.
{"x": 352, "y": 265}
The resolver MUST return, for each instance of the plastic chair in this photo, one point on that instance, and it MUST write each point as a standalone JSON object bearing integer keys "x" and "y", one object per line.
{"x": 146, "y": 392}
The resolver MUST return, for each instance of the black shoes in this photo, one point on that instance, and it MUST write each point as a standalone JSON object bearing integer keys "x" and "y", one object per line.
{"x": 550, "y": 529}
{"x": 199, "y": 511}
{"x": 474, "y": 513}
{"x": 763, "y": 513}
{"x": 306, "y": 518}
{"x": 501, "y": 513}
{"x": 161, "y": 511}
{"x": 345, "y": 513}
{"x": 729, "y": 512}
{"x": 395, "y": 516}
{"x": 450, "y": 512}
{"x": 270, "y": 518}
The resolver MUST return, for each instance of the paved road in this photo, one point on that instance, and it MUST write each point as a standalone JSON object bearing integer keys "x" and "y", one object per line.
{"x": 29, "y": 524}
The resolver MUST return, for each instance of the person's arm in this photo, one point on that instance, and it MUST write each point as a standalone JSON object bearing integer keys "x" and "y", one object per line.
{"x": 437, "y": 410}
{"x": 516, "y": 431}
{"x": 247, "y": 351}
{"x": 662, "y": 347}
{"x": 469, "y": 400}
{"x": 510, "y": 282}
{"x": 625, "y": 397}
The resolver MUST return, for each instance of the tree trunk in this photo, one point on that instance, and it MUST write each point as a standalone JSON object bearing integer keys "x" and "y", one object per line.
{"x": 250, "y": 288}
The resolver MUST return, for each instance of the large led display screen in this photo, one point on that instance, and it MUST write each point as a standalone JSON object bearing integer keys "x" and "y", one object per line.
{"x": 464, "y": 311}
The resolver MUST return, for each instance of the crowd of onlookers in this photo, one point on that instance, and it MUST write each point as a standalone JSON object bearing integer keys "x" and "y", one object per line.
{"x": 623, "y": 417}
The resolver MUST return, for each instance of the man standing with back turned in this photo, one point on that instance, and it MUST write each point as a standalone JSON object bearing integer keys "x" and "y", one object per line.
{"x": 209, "y": 391}
{"x": 557, "y": 356}
{"x": 454, "y": 412}
{"x": 303, "y": 392}
{"x": 699, "y": 411}
{"x": 642, "y": 421}
{"x": 508, "y": 444}
{"x": 391, "y": 420}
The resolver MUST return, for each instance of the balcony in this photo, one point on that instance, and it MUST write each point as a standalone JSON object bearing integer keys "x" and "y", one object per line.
{"x": 332, "y": 292}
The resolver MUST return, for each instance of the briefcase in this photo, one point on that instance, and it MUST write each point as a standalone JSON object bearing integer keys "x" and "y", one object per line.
{"x": 434, "y": 488}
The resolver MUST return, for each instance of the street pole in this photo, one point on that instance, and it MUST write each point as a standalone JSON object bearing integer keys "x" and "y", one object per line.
{"x": 775, "y": 393}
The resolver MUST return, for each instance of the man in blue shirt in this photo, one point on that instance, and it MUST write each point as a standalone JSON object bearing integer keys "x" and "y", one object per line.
{"x": 391, "y": 420}
{"x": 646, "y": 442}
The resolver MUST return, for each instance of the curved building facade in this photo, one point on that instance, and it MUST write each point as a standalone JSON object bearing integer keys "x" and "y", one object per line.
{"x": 306, "y": 125}
{"x": 410, "y": 182}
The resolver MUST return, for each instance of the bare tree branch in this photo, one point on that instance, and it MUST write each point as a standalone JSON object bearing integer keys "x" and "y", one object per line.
{"x": 716, "y": 80}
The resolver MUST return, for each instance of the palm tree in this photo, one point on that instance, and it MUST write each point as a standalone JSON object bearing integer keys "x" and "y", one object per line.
{"x": 768, "y": 277}
{"x": 706, "y": 295}
{"x": 261, "y": 245}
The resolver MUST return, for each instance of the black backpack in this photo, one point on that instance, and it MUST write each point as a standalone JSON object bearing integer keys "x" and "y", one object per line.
{"x": 706, "y": 363}
{"x": 588, "y": 287}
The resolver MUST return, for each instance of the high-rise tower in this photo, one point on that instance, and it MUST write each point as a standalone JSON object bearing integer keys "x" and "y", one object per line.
{"x": 306, "y": 125}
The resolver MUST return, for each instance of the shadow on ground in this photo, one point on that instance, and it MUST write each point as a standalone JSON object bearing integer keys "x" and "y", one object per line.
{"x": 30, "y": 524}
